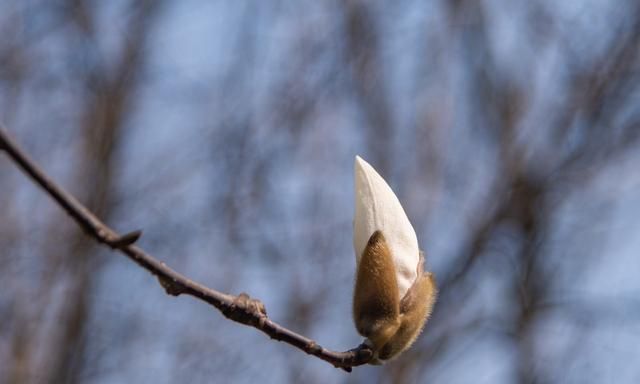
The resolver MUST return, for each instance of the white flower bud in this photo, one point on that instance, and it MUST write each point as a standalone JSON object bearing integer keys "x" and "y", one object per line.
{"x": 378, "y": 208}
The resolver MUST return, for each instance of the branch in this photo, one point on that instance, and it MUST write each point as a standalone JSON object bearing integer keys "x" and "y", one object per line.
{"x": 241, "y": 308}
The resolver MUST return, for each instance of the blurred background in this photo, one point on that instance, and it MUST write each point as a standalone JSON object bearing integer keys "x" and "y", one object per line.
{"x": 227, "y": 130}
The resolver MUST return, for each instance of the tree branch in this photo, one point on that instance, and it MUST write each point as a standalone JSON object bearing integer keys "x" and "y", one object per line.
{"x": 241, "y": 308}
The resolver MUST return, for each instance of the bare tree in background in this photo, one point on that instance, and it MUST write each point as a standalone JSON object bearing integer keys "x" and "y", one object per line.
{"x": 510, "y": 131}
{"x": 65, "y": 290}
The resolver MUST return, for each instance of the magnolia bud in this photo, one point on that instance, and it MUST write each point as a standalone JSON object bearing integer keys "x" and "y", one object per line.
{"x": 393, "y": 296}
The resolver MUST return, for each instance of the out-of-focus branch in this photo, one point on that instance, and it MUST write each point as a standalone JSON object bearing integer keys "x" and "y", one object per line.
{"x": 241, "y": 308}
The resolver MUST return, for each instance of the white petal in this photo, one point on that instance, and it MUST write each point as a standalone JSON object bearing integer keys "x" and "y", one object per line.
{"x": 378, "y": 208}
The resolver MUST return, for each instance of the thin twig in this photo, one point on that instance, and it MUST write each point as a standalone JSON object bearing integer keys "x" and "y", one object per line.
{"x": 241, "y": 308}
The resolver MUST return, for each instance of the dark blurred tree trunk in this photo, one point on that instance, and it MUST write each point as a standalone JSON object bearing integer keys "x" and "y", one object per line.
{"x": 104, "y": 121}
{"x": 362, "y": 52}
